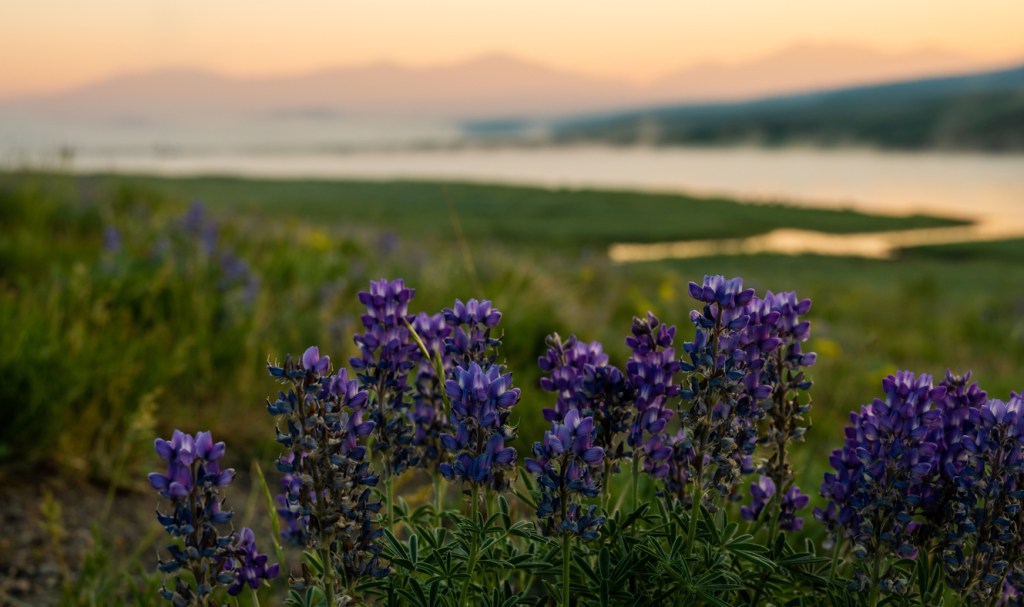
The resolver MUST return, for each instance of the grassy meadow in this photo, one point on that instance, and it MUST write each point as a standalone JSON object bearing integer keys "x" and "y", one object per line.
{"x": 156, "y": 324}
{"x": 127, "y": 311}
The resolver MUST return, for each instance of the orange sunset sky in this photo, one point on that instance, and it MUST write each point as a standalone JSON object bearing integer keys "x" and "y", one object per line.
{"x": 49, "y": 45}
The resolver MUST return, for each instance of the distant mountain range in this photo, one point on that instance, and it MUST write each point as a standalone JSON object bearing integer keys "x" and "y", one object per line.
{"x": 982, "y": 111}
{"x": 486, "y": 87}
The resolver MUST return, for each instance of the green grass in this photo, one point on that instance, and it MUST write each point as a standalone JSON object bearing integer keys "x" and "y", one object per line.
{"x": 1000, "y": 251}
{"x": 101, "y": 350}
{"x": 512, "y": 215}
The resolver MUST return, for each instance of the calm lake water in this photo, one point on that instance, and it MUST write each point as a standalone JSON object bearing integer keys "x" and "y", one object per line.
{"x": 988, "y": 189}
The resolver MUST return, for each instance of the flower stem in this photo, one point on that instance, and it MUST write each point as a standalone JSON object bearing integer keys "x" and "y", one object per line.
{"x": 835, "y": 561}
{"x": 438, "y": 499}
{"x": 876, "y": 578}
{"x": 389, "y": 486}
{"x": 325, "y": 558}
{"x": 474, "y": 546}
{"x": 566, "y": 541}
{"x": 606, "y": 491}
{"x": 255, "y": 598}
{"x": 636, "y": 478}
{"x": 698, "y": 497}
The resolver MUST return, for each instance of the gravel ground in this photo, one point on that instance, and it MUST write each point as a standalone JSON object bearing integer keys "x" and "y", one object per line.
{"x": 47, "y": 534}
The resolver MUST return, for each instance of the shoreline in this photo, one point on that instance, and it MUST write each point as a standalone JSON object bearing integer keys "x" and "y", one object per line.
{"x": 962, "y": 186}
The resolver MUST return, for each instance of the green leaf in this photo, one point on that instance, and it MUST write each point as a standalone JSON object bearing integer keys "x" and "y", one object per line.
{"x": 503, "y": 509}
{"x": 712, "y": 599}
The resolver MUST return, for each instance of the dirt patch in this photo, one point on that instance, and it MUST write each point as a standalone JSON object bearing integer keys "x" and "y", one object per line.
{"x": 59, "y": 538}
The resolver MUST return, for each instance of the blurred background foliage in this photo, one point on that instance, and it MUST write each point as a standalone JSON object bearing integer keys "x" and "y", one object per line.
{"x": 127, "y": 308}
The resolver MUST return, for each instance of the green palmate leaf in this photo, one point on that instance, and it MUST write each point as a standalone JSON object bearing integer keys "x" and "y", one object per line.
{"x": 603, "y": 576}
{"x": 421, "y": 596}
{"x": 493, "y": 564}
{"x": 553, "y": 589}
{"x": 801, "y": 559}
{"x": 632, "y": 517}
{"x": 312, "y": 560}
{"x": 712, "y": 599}
{"x": 503, "y": 509}
{"x": 752, "y": 553}
{"x": 312, "y": 597}
{"x": 432, "y": 598}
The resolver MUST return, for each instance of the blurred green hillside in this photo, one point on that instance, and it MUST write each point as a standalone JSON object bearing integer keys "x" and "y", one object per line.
{"x": 982, "y": 112}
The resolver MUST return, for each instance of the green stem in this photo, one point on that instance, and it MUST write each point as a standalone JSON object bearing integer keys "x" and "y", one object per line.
{"x": 325, "y": 558}
{"x": 835, "y": 561}
{"x": 566, "y": 542}
{"x": 773, "y": 527}
{"x": 876, "y": 575}
{"x": 606, "y": 491}
{"x": 438, "y": 500}
{"x": 474, "y": 546}
{"x": 255, "y": 598}
{"x": 636, "y": 477}
{"x": 389, "y": 486}
{"x": 698, "y": 497}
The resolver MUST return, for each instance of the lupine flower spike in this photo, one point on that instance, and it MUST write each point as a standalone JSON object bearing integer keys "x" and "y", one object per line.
{"x": 193, "y": 483}
{"x": 328, "y": 482}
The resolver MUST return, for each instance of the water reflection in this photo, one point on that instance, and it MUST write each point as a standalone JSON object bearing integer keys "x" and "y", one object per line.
{"x": 786, "y": 241}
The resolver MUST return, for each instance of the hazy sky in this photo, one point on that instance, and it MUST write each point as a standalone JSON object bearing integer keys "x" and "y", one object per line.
{"x": 52, "y": 44}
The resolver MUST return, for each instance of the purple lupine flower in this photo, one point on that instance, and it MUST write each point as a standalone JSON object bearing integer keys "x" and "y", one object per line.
{"x": 481, "y": 403}
{"x": 579, "y": 374}
{"x": 191, "y": 462}
{"x": 428, "y": 411}
{"x": 193, "y": 483}
{"x": 295, "y": 524}
{"x": 762, "y": 493}
{"x": 472, "y": 339}
{"x": 651, "y": 371}
{"x": 940, "y": 466}
{"x": 725, "y": 293}
{"x": 983, "y": 541}
{"x": 484, "y": 398}
{"x": 792, "y": 501}
{"x": 246, "y": 566}
{"x": 238, "y": 278}
{"x": 387, "y": 355}
{"x": 565, "y": 366}
{"x": 112, "y": 242}
{"x": 198, "y": 225}
{"x": 722, "y": 398}
{"x": 611, "y": 397}
{"x": 329, "y": 482}
{"x": 888, "y": 471}
{"x": 670, "y": 458}
{"x": 775, "y": 363}
{"x": 313, "y": 362}
{"x": 1011, "y": 596}
{"x": 567, "y": 464}
{"x": 962, "y": 397}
